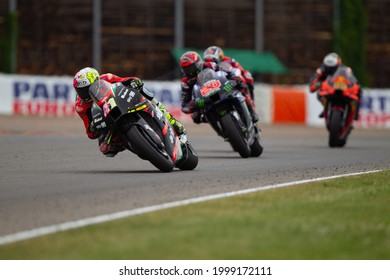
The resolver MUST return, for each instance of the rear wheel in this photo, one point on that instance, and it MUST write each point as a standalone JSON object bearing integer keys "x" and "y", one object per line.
{"x": 342, "y": 142}
{"x": 256, "y": 148}
{"x": 334, "y": 128}
{"x": 145, "y": 148}
{"x": 235, "y": 136}
{"x": 192, "y": 159}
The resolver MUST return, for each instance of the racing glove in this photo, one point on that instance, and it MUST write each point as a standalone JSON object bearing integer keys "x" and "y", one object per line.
{"x": 136, "y": 83}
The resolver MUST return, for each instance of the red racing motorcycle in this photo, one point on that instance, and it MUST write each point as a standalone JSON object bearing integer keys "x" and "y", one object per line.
{"x": 339, "y": 94}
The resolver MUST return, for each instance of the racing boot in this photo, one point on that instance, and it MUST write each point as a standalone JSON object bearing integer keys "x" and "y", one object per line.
{"x": 110, "y": 150}
{"x": 255, "y": 117}
{"x": 357, "y": 116}
{"x": 324, "y": 103}
{"x": 251, "y": 107}
{"x": 251, "y": 91}
{"x": 177, "y": 126}
{"x": 196, "y": 117}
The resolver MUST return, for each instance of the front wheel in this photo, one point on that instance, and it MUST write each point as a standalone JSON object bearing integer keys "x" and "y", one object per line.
{"x": 334, "y": 128}
{"x": 235, "y": 136}
{"x": 146, "y": 149}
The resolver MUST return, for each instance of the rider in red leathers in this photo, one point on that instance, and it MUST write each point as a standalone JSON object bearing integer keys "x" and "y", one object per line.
{"x": 82, "y": 81}
{"x": 217, "y": 55}
{"x": 330, "y": 64}
{"x": 191, "y": 64}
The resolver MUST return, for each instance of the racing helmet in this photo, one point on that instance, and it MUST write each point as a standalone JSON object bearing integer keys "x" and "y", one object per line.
{"x": 82, "y": 81}
{"x": 331, "y": 62}
{"x": 213, "y": 53}
{"x": 191, "y": 63}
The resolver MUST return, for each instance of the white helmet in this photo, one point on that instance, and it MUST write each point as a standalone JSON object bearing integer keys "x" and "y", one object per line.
{"x": 213, "y": 53}
{"x": 331, "y": 62}
{"x": 83, "y": 79}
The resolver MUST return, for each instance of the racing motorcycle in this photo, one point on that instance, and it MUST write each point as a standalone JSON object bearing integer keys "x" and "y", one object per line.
{"x": 225, "y": 110}
{"x": 125, "y": 114}
{"x": 339, "y": 94}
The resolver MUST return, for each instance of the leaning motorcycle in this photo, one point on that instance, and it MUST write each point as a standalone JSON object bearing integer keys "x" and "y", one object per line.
{"x": 339, "y": 94}
{"x": 225, "y": 110}
{"x": 140, "y": 125}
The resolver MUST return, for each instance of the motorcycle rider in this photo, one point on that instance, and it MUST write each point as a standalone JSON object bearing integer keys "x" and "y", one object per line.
{"x": 216, "y": 54}
{"x": 82, "y": 81}
{"x": 191, "y": 64}
{"x": 331, "y": 62}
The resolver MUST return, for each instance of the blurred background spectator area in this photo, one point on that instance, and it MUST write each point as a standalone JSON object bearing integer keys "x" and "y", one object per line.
{"x": 55, "y": 37}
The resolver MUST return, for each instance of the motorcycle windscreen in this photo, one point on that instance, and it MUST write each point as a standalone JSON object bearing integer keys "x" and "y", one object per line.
{"x": 209, "y": 82}
{"x": 100, "y": 90}
{"x": 342, "y": 79}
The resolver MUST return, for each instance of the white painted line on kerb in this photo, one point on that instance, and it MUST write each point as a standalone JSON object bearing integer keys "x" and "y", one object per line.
{"x": 118, "y": 215}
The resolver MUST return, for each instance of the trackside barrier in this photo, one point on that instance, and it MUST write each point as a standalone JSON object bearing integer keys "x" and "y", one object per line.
{"x": 53, "y": 96}
{"x": 296, "y": 105}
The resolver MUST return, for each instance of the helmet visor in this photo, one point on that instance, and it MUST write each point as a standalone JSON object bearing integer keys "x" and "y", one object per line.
{"x": 83, "y": 93}
{"x": 191, "y": 70}
{"x": 330, "y": 69}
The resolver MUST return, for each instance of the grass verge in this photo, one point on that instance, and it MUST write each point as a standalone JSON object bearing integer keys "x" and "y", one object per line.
{"x": 346, "y": 218}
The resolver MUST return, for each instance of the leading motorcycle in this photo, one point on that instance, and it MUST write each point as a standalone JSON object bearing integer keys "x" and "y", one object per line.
{"x": 339, "y": 94}
{"x": 124, "y": 113}
{"x": 225, "y": 110}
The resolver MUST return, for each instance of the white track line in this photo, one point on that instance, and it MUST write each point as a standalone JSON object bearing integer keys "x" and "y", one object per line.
{"x": 118, "y": 215}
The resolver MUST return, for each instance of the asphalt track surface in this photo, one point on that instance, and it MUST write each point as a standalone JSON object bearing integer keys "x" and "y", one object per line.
{"x": 51, "y": 173}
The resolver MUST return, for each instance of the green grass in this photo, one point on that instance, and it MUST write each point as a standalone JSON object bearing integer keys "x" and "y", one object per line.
{"x": 347, "y": 218}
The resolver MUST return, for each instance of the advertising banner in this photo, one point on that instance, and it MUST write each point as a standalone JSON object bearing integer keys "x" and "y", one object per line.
{"x": 375, "y": 108}
{"x": 53, "y": 96}
{"x": 37, "y": 96}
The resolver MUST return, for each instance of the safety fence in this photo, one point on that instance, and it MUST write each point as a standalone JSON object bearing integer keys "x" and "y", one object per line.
{"x": 51, "y": 96}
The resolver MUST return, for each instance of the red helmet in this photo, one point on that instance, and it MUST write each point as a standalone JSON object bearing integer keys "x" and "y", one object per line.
{"x": 191, "y": 63}
{"x": 213, "y": 53}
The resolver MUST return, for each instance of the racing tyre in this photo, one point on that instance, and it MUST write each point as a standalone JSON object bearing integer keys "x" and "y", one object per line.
{"x": 256, "y": 148}
{"x": 192, "y": 159}
{"x": 334, "y": 128}
{"x": 146, "y": 149}
{"x": 235, "y": 136}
